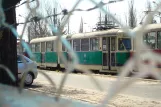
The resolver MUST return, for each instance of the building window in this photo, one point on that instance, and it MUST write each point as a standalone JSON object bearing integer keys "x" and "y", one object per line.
{"x": 76, "y": 45}
{"x": 159, "y": 40}
{"x": 85, "y": 44}
{"x": 94, "y": 44}
{"x": 150, "y": 39}
{"x": 42, "y": 46}
{"x": 49, "y": 46}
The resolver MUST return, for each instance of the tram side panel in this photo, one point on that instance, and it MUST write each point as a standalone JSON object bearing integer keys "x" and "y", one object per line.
{"x": 90, "y": 60}
{"x": 65, "y": 54}
{"x": 121, "y": 58}
{"x": 93, "y": 58}
{"x": 51, "y": 59}
{"x": 35, "y": 47}
{"x": 38, "y": 56}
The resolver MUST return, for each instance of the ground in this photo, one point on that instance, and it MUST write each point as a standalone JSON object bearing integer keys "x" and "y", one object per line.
{"x": 143, "y": 93}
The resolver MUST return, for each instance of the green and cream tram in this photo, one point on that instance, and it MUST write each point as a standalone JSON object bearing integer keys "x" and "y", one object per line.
{"x": 104, "y": 51}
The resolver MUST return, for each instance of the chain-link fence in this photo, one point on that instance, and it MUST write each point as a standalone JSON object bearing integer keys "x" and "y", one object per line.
{"x": 119, "y": 85}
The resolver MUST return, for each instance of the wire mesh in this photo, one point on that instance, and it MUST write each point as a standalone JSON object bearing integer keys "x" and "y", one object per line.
{"x": 120, "y": 84}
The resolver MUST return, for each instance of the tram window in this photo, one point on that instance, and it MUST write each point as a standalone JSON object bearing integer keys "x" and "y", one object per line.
{"x": 145, "y": 38}
{"x": 37, "y": 47}
{"x": 85, "y": 44}
{"x": 120, "y": 44}
{"x": 42, "y": 46}
{"x": 49, "y": 46}
{"x": 159, "y": 40}
{"x": 104, "y": 44}
{"x": 76, "y": 45}
{"x": 94, "y": 44}
{"x": 33, "y": 47}
{"x": 113, "y": 46}
{"x": 149, "y": 39}
{"x": 124, "y": 44}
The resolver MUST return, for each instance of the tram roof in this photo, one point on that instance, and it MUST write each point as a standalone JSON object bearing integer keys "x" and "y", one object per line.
{"x": 111, "y": 32}
{"x": 151, "y": 27}
{"x": 44, "y": 39}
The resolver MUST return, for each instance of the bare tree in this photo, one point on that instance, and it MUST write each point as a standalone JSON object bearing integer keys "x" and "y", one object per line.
{"x": 132, "y": 14}
{"x": 38, "y": 27}
{"x": 54, "y": 20}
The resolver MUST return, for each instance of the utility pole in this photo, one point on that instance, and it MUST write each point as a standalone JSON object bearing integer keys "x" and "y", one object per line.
{"x": 8, "y": 45}
{"x": 29, "y": 35}
{"x": 68, "y": 27}
{"x": 81, "y": 26}
{"x": 160, "y": 16}
{"x": 100, "y": 19}
{"x": 35, "y": 29}
{"x": 55, "y": 17}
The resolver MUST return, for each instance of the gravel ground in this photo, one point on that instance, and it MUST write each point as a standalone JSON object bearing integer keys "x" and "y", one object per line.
{"x": 112, "y": 77}
{"x": 95, "y": 96}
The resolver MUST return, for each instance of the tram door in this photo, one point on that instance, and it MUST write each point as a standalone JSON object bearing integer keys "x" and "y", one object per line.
{"x": 42, "y": 53}
{"x": 109, "y": 53}
{"x": 113, "y": 54}
{"x": 106, "y": 53}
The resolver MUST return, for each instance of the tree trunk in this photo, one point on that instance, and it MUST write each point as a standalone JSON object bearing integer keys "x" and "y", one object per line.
{"x": 8, "y": 50}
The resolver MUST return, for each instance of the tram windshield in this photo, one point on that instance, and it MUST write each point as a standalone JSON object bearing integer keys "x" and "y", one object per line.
{"x": 150, "y": 39}
{"x": 124, "y": 44}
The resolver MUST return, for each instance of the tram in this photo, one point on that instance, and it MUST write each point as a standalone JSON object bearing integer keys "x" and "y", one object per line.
{"x": 152, "y": 37}
{"x": 103, "y": 51}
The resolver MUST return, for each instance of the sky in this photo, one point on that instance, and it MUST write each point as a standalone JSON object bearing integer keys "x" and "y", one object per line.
{"x": 120, "y": 9}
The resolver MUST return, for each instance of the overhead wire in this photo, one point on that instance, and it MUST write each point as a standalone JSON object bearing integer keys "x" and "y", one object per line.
{"x": 15, "y": 6}
{"x": 65, "y": 11}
